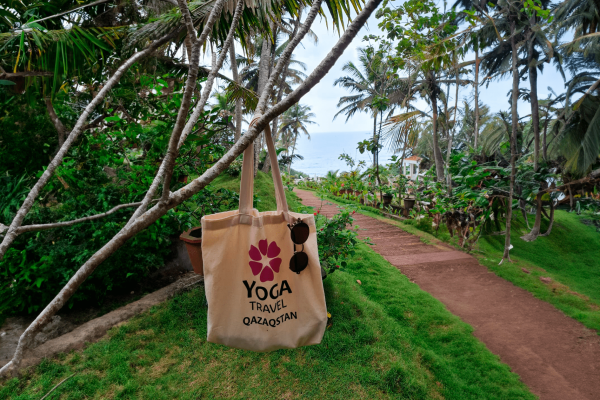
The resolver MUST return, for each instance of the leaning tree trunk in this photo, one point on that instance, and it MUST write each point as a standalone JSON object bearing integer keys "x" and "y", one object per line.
{"x": 238, "y": 101}
{"x": 513, "y": 139}
{"x": 437, "y": 152}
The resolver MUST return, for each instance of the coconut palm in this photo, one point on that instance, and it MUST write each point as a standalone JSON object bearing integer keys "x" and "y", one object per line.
{"x": 473, "y": 118}
{"x": 377, "y": 90}
{"x": 293, "y": 123}
{"x": 577, "y": 129}
{"x": 250, "y": 68}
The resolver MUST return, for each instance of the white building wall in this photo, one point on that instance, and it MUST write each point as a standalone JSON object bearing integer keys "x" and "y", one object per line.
{"x": 410, "y": 169}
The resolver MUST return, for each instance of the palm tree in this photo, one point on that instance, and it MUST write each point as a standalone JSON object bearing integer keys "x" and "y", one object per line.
{"x": 577, "y": 129}
{"x": 249, "y": 74}
{"x": 378, "y": 90}
{"x": 473, "y": 120}
{"x": 293, "y": 123}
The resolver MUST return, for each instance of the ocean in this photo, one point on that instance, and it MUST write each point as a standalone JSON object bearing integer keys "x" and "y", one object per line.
{"x": 321, "y": 153}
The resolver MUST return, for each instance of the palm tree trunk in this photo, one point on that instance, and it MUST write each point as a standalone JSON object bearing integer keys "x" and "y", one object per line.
{"x": 267, "y": 165}
{"x": 544, "y": 146}
{"x": 437, "y": 153}
{"x": 451, "y": 138}
{"x": 377, "y": 155}
{"x": 374, "y": 137}
{"x": 264, "y": 66}
{"x": 476, "y": 97}
{"x": 535, "y": 113}
{"x": 238, "y": 102}
{"x": 293, "y": 149}
{"x": 535, "y": 122}
{"x": 513, "y": 139}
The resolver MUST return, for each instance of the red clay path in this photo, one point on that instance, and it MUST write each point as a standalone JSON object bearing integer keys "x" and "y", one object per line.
{"x": 556, "y": 356}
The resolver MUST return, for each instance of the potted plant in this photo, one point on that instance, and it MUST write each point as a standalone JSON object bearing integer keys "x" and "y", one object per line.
{"x": 193, "y": 244}
{"x": 388, "y": 195}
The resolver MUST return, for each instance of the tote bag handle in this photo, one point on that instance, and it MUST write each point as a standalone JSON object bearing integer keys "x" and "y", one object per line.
{"x": 247, "y": 182}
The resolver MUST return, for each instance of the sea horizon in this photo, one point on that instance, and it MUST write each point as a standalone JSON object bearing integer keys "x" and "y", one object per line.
{"x": 321, "y": 153}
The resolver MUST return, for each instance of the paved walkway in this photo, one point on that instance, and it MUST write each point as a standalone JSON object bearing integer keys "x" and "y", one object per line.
{"x": 556, "y": 356}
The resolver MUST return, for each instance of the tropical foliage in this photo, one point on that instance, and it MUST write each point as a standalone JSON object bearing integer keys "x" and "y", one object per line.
{"x": 479, "y": 161}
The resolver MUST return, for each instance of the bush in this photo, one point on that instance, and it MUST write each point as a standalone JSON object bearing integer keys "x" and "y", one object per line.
{"x": 235, "y": 168}
{"x": 109, "y": 165}
{"x": 335, "y": 240}
{"x": 39, "y": 264}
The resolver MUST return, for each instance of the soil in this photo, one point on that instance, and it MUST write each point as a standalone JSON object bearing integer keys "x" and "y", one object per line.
{"x": 556, "y": 356}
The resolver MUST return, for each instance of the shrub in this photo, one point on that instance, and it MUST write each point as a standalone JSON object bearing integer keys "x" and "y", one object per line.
{"x": 39, "y": 264}
{"x": 336, "y": 239}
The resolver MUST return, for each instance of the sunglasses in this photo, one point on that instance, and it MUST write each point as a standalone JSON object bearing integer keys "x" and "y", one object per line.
{"x": 299, "y": 232}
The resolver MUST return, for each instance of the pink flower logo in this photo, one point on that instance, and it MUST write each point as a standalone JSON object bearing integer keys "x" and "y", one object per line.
{"x": 271, "y": 250}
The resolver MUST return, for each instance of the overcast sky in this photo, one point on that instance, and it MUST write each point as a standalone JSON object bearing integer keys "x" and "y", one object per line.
{"x": 323, "y": 98}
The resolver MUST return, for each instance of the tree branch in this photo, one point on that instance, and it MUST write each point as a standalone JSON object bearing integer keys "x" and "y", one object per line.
{"x": 163, "y": 167}
{"x": 285, "y": 56}
{"x": 189, "y": 190}
{"x": 190, "y": 86}
{"x": 43, "y": 227}
{"x": 43, "y": 180}
{"x": 60, "y": 128}
{"x": 212, "y": 74}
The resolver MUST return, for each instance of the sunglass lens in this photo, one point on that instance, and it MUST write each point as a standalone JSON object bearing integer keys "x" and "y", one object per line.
{"x": 300, "y": 233}
{"x": 298, "y": 262}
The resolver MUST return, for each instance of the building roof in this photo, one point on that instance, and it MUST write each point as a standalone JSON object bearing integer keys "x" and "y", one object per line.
{"x": 413, "y": 158}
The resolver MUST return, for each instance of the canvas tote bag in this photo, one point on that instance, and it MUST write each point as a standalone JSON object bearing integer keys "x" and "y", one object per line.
{"x": 255, "y": 302}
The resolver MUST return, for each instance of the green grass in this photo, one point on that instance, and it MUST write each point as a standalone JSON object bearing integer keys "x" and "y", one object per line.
{"x": 570, "y": 256}
{"x": 263, "y": 189}
{"x": 386, "y": 339}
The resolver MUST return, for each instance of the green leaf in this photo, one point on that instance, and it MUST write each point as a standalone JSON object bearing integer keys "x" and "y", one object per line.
{"x": 6, "y": 83}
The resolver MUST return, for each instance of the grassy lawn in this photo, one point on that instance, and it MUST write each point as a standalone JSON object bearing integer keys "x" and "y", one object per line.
{"x": 570, "y": 256}
{"x": 386, "y": 339}
{"x": 263, "y": 190}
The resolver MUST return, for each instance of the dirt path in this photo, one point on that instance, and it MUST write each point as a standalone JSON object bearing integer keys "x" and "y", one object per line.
{"x": 556, "y": 356}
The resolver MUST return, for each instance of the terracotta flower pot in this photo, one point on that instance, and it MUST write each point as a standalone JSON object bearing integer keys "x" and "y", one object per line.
{"x": 193, "y": 244}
